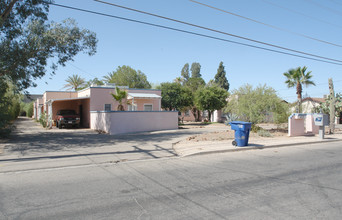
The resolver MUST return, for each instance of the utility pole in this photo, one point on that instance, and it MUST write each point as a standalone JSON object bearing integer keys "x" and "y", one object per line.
{"x": 332, "y": 107}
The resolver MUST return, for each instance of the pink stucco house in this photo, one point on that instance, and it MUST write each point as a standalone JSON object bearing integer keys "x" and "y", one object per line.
{"x": 97, "y": 109}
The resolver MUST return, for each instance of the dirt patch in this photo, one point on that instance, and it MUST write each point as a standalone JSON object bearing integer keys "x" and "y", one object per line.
{"x": 229, "y": 135}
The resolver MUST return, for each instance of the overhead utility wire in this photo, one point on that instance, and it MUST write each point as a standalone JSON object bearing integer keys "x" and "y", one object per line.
{"x": 193, "y": 33}
{"x": 265, "y": 24}
{"x": 325, "y": 7}
{"x": 302, "y": 14}
{"x": 217, "y": 31}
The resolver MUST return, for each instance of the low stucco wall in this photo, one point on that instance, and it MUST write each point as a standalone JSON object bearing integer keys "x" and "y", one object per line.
{"x": 131, "y": 122}
{"x": 100, "y": 121}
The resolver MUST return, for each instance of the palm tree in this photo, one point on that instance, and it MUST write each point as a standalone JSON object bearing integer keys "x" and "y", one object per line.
{"x": 109, "y": 78}
{"x": 297, "y": 77}
{"x": 74, "y": 82}
{"x": 119, "y": 96}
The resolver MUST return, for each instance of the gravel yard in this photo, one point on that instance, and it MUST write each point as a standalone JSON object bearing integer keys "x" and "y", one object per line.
{"x": 270, "y": 131}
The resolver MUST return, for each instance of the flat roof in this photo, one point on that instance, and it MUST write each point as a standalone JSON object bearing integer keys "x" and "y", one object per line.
{"x": 143, "y": 95}
{"x": 68, "y": 99}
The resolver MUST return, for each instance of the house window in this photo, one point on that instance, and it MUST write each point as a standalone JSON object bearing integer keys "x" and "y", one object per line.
{"x": 148, "y": 107}
{"x": 107, "y": 107}
{"x": 187, "y": 113}
{"x": 132, "y": 108}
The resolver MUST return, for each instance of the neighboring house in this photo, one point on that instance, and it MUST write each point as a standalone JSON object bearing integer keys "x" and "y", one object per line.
{"x": 217, "y": 116}
{"x": 95, "y": 100}
{"x": 188, "y": 116}
{"x": 308, "y": 104}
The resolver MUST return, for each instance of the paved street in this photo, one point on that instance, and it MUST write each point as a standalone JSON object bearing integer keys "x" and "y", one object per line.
{"x": 296, "y": 182}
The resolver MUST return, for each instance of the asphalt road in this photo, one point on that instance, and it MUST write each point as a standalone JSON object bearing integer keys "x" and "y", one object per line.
{"x": 297, "y": 182}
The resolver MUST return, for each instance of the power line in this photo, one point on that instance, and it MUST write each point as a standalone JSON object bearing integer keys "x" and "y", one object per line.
{"x": 82, "y": 70}
{"x": 197, "y": 34}
{"x": 300, "y": 13}
{"x": 265, "y": 24}
{"x": 217, "y": 31}
{"x": 324, "y": 7}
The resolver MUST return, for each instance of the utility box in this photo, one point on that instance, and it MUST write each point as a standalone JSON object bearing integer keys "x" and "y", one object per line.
{"x": 321, "y": 120}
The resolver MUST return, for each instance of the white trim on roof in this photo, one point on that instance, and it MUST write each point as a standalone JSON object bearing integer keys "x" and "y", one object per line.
{"x": 68, "y": 99}
{"x": 132, "y": 95}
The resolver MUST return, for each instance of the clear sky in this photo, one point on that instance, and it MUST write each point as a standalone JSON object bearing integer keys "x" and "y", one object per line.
{"x": 161, "y": 53}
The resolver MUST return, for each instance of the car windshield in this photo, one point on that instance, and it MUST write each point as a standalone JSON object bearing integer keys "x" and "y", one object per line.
{"x": 67, "y": 112}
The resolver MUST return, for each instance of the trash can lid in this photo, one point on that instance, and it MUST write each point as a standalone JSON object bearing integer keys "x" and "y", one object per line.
{"x": 240, "y": 122}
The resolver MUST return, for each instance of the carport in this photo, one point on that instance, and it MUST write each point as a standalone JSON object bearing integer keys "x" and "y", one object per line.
{"x": 80, "y": 105}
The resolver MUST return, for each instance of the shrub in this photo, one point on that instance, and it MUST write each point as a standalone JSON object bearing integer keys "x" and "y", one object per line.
{"x": 264, "y": 133}
{"x": 29, "y": 110}
{"x": 255, "y": 128}
{"x": 43, "y": 120}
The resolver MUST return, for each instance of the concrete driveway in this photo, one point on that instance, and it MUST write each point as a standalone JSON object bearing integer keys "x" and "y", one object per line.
{"x": 31, "y": 142}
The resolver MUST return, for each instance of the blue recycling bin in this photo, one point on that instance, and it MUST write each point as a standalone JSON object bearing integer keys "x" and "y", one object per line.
{"x": 242, "y": 130}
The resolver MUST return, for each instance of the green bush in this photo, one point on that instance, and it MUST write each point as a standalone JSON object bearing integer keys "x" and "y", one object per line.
{"x": 264, "y": 133}
{"x": 26, "y": 109}
{"x": 29, "y": 110}
{"x": 9, "y": 106}
{"x": 255, "y": 128}
{"x": 256, "y": 105}
{"x": 43, "y": 120}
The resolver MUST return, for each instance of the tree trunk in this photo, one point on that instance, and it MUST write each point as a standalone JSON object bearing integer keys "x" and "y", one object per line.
{"x": 332, "y": 107}
{"x": 299, "y": 97}
{"x": 120, "y": 108}
{"x": 194, "y": 112}
{"x": 198, "y": 115}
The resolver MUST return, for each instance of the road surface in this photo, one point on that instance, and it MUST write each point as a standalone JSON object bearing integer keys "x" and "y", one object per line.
{"x": 297, "y": 182}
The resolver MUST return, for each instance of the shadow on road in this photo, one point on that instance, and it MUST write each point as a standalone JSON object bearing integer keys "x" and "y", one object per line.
{"x": 31, "y": 137}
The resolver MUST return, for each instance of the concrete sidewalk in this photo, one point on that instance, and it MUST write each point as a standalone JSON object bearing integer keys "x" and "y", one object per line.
{"x": 207, "y": 147}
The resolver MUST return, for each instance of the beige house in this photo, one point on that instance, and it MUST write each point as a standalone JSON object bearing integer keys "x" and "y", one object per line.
{"x": 308, "y": 104}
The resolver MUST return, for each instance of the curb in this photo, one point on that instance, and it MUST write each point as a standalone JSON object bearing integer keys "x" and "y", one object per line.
{"x": 256, "y": 148}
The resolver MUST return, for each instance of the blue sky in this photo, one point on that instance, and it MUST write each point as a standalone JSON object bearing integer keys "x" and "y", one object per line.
{"x": 161, "y": 54}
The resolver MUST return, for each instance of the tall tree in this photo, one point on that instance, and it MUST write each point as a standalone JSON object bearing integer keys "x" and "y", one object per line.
{"x": 29, "y": 42}
{"x": 179, "y": 80}
{"x": 211, "y": 98}
{"x": 175, "y": 96}
{"x": 220, "y": 77}
{"x": 127, "y": 76}
{"x": 195, "y": 70}
{"x": 185, "y": 73}
{"x": 74, "y": 82}
{"x": 119, "y": 96}
{"x": 195, "y": 84}
{"x": 296, "y": 78}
